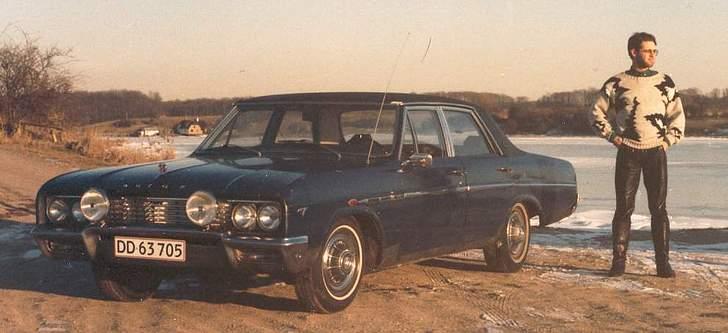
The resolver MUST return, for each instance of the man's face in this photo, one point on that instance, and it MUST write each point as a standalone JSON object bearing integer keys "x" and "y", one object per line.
{"x": 646, "y": 56}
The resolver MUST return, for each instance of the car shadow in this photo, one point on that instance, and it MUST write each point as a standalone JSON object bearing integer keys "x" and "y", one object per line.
{"x": 602, "y": 272}
{"x": 24, "y": 268}
{"x": 460, "y": 264}
{"x": 237, "y": 296}
{"x": 466, "y": 264}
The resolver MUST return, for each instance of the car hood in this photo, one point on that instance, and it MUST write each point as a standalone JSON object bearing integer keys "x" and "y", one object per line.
{"x": 251, "y": 178}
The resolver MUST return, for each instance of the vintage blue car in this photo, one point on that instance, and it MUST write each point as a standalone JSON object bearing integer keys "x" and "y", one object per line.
{"x": 315, "y": 188}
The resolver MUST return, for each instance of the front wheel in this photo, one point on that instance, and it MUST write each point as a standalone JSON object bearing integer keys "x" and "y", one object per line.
{"x": 126, "y": 283}
{"x": 509, "y": 251}
{"x": 332, "y": 282}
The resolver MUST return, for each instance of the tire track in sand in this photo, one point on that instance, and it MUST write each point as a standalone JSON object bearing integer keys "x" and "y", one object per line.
{"x": 494, "y": 307}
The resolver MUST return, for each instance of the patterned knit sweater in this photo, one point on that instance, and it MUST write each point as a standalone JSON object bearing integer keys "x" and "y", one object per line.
{"x": 648, "y": 110}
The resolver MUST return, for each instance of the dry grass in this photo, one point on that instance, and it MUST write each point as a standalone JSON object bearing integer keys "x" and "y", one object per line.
{"x": 91, "y": 145}
{"x": 163, "y": 123}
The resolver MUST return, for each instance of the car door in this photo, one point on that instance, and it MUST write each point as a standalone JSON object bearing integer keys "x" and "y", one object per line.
{"x": 436, "y": 220}
{"x": 488, "y": 174}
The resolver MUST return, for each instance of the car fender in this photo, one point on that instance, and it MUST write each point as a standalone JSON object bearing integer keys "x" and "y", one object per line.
{"x": 532, "y": 203}
{"x": 369, "y": 223}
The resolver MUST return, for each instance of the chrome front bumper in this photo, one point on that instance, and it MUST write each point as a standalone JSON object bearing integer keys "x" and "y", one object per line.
{"x": 205, "y": 249}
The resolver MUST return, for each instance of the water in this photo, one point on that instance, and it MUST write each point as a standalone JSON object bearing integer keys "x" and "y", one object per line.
{"x": 183, "y": 145}
{"x": 697, "y": 181}
{"x": 697, "y": 185}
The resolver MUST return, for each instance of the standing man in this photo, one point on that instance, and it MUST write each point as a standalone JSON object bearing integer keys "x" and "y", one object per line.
{"x": 649, "y": 119}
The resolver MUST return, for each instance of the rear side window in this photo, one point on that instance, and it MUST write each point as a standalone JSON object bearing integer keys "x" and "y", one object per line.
{"x": 467, "y": 139}
{"x": 426, "y": 129}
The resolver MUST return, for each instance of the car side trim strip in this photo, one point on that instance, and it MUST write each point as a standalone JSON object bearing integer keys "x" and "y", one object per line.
{"x": 488, "y": 186}
{"x": 547, "y": 185}
{"x": 492, "y": 186}
{"x": 262, "y": 242}
{"x": 408, "y": 195}
{"x": 459, "y": 189}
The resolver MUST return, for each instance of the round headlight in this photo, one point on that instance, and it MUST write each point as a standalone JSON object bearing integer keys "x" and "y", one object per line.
{"x": 57, "y": 210}
{"x": 77, "y": 213}
{"x": 94, "y": 205}
{"x": 269, "y": 217}
{"x": 201, "y": 208}
{"x": 244, "y": 216}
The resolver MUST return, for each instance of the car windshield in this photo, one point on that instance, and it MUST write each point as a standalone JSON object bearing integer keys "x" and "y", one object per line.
{"x": 334, "y": 130}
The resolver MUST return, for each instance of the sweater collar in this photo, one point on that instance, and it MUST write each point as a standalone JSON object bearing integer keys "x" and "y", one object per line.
{"x": 646, "y": 73}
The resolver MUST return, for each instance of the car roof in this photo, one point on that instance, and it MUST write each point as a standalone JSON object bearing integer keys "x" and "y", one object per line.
{"x": 374, "y": 98}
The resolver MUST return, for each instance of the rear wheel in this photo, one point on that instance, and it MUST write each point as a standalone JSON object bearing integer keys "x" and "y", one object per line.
{"x": 509, "y": 251}
{"x": 126, "y": 283}
{"x": 332, "y": 282}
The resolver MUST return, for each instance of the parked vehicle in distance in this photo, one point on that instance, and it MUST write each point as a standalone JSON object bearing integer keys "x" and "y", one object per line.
{"x": 315, "y": 188}
{"x": 147, "y": 131}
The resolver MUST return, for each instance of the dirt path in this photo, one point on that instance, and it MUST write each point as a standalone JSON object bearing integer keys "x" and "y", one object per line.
{"x": 561, "y": 289}
{"x": 21, "y": 174}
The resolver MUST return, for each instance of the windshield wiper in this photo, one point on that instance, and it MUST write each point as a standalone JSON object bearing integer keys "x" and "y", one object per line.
{"x": 309, "y": 143}
{"x": 236, "y": 147}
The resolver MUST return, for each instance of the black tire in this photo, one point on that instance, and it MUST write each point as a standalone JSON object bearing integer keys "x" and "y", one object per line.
{"x": 508, "y": 253}
{"x": 126, "y": 283}
{"x": 332, "y": 281}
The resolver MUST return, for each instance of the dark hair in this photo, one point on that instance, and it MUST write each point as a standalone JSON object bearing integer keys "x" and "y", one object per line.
{"x": 635, "y": 41}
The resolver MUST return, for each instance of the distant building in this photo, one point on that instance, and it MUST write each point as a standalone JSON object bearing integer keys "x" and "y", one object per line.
{"x": 190, "y": 127}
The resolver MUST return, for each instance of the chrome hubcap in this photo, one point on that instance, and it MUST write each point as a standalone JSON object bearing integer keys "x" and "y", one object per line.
{"x": 340, "y": 262}
{"x": 517, "y": 234}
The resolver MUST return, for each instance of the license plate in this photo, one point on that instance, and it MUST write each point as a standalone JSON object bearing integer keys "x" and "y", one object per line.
{"x": 150, "y": 248}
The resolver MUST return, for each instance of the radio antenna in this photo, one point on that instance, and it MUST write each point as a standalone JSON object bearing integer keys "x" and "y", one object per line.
{"x": 429, "y": 42}
{"x": 384, "y": 97}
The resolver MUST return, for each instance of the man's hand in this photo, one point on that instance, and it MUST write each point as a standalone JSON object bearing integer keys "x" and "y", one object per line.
{"x": 617, "y": 141}
{"x": 664, "y": 145}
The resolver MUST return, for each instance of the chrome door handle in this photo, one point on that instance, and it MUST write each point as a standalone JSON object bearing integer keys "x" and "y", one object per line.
{"x": 507, "y": 170}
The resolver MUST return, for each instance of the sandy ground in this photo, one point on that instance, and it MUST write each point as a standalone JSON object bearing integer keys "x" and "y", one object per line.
{"x": 562, "y": 288}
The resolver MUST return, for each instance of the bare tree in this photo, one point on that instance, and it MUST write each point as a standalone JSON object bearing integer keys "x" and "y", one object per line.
{"x": 32, "y": 80}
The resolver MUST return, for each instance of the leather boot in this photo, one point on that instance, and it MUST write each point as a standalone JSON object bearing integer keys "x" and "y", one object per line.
{"x": 661, "y": 239}
{"x": 626, "y": 180}
{"x": 620, "y": 235}
{"x": 656, "y": 183}
{"x": 664, "y": 270}
{"x": 619, "y": 260}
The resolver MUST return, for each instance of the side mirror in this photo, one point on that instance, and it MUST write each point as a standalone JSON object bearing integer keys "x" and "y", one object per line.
{"x": 421, "y": 160}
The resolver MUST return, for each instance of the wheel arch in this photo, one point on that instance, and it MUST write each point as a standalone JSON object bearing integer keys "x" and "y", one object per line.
{"x": 532, "y": 204}
{"x": 372, "y": 233}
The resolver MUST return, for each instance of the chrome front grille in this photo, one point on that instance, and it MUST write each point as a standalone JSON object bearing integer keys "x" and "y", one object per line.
{"x": 164, "y": 211}
{"x": 136, "y": 210}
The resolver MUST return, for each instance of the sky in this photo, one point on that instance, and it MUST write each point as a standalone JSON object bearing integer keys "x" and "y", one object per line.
{"x": 198, "y": 49}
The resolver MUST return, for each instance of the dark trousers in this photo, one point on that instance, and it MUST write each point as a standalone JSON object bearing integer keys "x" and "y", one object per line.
{"x": 652, "y": 163}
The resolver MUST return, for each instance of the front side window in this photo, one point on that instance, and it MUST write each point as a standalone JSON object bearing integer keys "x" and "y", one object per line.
{"x": 358, "y": 131}
{"x": 467, "y": 139}
{"x": 295, "y": 128}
